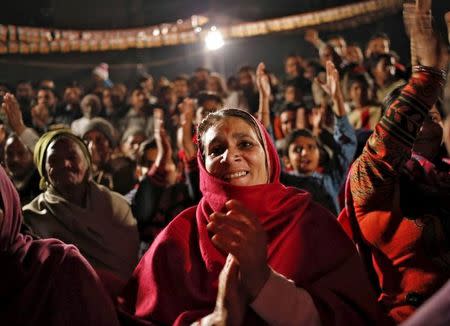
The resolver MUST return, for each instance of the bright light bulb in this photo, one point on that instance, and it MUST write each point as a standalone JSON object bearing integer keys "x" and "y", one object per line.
{"x": 214, "y": 39}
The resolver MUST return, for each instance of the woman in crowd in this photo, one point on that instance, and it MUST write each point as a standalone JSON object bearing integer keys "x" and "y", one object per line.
{"x": 45, "y": 282}
{"x": 272, "y": 232}
{"x": 364, "y": 114}
{"x": 76, "y": 210}
{"x": 397, "y": 200}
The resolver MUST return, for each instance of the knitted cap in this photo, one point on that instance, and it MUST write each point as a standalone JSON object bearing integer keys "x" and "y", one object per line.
{"x": 103, "y": 126}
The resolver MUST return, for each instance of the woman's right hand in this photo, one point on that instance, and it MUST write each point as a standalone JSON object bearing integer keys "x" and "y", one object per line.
{"x": 239, "y": 232}
{"x": 429, "y": 49}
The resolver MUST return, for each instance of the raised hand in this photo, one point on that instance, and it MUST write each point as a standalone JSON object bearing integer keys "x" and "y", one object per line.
{"x": 312, "y": 36}
{"x": 161, "y": 138}
{"x": 429, "y": 50}
{"x": 13, "y": 113}
{"x": 238, "y": 232}
{"x": 332, "y": 87}
{"x": 184, "y": 133}
{"x": 262, "y": 81}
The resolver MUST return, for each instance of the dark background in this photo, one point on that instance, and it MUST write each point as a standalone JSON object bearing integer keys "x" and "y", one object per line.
{"x": 171, "y": 61}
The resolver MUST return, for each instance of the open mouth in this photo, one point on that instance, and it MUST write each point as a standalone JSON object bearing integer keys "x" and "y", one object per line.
{"x": 235, "y": 175}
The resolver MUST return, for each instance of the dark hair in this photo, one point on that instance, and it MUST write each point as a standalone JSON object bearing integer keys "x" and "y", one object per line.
{"x": 204, "y": 96}
{"x": 246, "y": 69}
{"x": 294, "y": 135}
{"x": 203, "y": 69}
{"x": 214, "y": 117}
{"x": 381, "y": 35}
{"x": 182, "y": 78}
{"x": 376, "y": 58}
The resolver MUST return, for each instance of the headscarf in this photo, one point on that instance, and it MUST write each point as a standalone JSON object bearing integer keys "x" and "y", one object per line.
{"x": 45, "y": 282}
{"x": 176, "y": 280}
{"x": 46, "y": 139}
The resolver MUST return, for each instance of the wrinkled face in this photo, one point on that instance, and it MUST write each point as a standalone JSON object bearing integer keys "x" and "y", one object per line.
{"x": 304, "y": 155}
{"x": 98, "y": 146}
{"x": 291, "y": 67}
{"x": 377, "y": 46}
{"x": 65, "y": 164}
{"x": 131, "y": 146}
{"x": 181, "y": 88}
{"x": 287, "y": 120}
{"x": 429, "y": 139}
{"x": 234, "y": 154}
{"x": 18, "y": 158}
{"x": 354, "y": 54}
{"x": 138, "y": 99}
{"x": 46, "y": 98}
{"x": 24, "y": 91}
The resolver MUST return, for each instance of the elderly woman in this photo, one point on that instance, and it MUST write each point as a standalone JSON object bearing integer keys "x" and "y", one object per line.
{"x": 274, "y": 233}
{"x": 76, "y": 210}
{"x": 47, "y": 272}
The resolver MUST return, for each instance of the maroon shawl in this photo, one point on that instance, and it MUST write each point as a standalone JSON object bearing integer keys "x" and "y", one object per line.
{"x": 176, "y": 281}
{"x": 45, "y": 282}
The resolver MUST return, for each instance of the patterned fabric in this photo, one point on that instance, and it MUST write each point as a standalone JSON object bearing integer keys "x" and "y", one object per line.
{"x": 407, "y": 273}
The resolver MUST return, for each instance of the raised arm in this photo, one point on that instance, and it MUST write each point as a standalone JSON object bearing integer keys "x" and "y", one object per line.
{"x": 372, "y": 178}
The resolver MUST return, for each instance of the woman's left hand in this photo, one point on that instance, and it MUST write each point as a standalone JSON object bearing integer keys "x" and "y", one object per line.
{"x": 238, "y": 232}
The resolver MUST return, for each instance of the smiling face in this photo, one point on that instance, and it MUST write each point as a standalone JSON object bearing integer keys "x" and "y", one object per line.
{"x": 304, "y": 155}
{"x": 234, "y": 154}
{"x": 65, "y": 165}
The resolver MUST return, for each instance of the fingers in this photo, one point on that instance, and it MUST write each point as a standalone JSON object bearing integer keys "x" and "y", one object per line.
{"x": 423, "y": 5}
{"x": 236, "y": 207}
{"x": 261, "y": 69}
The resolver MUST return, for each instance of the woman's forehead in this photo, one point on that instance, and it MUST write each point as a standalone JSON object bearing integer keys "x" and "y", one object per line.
{"x": 229, "y": 126}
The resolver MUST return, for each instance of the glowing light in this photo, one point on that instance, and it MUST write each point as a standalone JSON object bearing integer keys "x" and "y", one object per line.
{"x": 214, "y": 39}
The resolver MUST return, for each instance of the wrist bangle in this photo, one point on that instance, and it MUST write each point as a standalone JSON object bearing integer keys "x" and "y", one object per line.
{"x": 440, "y": 73}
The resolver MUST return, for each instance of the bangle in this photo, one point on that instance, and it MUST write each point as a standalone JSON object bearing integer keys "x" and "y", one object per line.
{"x": 440, "y": 73}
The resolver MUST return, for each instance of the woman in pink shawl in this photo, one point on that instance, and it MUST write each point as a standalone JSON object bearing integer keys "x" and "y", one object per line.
{"x": 289, "y": 260}
{"x": 45, "y": 282}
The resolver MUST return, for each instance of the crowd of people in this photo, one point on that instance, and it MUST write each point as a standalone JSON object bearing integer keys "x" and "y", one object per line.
{"x": 318, "y": 198}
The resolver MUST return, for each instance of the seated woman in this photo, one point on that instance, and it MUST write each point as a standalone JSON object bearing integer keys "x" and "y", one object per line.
{"x": 45, "y": 282}
{"x": 273, "y": 232}
{"x": 398, "y": 200}
{"x": 76, "y": 210}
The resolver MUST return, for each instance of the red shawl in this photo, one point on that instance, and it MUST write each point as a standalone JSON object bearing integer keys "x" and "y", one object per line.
{"x": 45, "y": 282}
{"x": 176, "y": 280}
